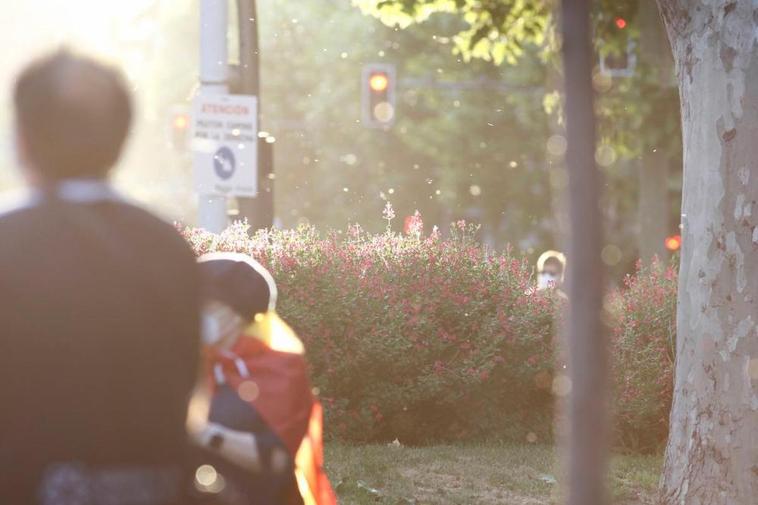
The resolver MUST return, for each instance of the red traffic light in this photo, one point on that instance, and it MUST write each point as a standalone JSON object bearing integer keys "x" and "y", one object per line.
{"x": 378, "y": 82}
{"x": 673, "y": 243}
{"x": 620, "y": 23}
{"x": 178, "y": 126}
{"x": 181, "y": 121}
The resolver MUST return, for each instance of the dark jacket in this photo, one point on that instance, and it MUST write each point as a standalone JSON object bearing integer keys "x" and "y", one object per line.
{"x": 98, "y": 337}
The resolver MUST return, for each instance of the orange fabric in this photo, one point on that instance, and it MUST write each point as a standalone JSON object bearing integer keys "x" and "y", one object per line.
{"x": 284, "y": 399}
{"x": 309, "y": 463}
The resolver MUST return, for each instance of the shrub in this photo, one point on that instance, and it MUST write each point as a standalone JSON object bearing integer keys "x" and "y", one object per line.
{"x": 643, "y": 357}
{"x": 411, "y": 336}
{"x": 427, "y": 339}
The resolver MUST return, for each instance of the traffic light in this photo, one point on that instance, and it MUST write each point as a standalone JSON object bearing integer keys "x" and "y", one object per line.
{"x": 620, "y": 61}
{"x": 673, "y": 243}
{"x": 179, "y": 127}
{"x": 378, "y": 95}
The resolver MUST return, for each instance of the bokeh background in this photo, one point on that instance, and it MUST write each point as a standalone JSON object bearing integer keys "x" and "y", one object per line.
{"x": 472, "y": 140}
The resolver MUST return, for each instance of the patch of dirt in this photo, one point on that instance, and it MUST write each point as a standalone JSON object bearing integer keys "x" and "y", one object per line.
{"x": 438, "y": 488}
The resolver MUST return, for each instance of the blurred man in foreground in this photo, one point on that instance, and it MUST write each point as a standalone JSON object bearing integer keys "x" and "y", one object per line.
{"x": 99, "y": 337}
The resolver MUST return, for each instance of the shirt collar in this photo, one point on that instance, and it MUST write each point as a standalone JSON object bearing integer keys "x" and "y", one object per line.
{"x": 69, "y": 190}
{"x": 85, "y": 191}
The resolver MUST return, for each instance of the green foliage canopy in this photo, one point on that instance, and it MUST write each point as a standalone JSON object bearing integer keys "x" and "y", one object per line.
{"x": 493, "y": 30}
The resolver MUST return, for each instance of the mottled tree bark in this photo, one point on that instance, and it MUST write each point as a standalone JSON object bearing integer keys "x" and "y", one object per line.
{"x": 712, "y": 453}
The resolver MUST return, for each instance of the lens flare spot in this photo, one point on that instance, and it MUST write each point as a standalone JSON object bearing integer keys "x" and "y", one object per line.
{"x": 605, "y": 156}
{"x": 561, "y": 385}
{"x": 206, "y": 476}
{"x": 248, "y": 391}
{"x": 556, "y": 145}
{"x": 611, "y": 255}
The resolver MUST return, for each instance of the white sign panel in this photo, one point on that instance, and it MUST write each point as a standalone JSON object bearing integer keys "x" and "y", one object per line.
{"x": 225, "y": 145}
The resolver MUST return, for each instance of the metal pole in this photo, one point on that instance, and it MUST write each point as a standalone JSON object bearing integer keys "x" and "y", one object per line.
{"x": 587, "y": 410}
{"x": 214, "y": 76}
{"x": 259, "y": 211}
{"x": 249, "y": 58}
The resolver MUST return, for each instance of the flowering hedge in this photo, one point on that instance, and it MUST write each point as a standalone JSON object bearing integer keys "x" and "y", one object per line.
{"x": 643, "y": 344}
{"x": 427, "y": 339}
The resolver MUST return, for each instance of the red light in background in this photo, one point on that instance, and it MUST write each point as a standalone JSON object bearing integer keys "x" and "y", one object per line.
{"x": 379, "y": 82}
{"x": 181, "y": 121}
{"x": 407, "y": 223}
{"x": 673, "y": 243}
{"x": 620, "y": 23}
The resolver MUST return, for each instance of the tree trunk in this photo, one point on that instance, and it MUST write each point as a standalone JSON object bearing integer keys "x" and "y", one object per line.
{"x": 653, "y": 205}
{"x": 712, "y": 453}
{"x": 654, "y": 198}
{"x": 556, "y": 169}
{"x": 587, "y": 350}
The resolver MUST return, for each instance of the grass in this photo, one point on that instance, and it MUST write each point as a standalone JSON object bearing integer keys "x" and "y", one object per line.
{"x": 471, "y": 475}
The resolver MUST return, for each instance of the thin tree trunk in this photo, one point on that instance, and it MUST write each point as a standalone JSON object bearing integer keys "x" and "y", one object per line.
{"x": 653, "y": 205}
{"x": 712, "y": 453}
{"x": 587, "y": 410}
{"x": 556, "y": 170}
{"x": 655, "y": 53}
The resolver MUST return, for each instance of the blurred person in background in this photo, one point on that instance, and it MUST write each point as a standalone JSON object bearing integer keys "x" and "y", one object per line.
{"x": 551, "y": 267}
{"x": 260, "y": 427}
{"x": 100, "y": 308}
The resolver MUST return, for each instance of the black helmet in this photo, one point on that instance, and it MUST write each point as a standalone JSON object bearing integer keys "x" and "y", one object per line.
{"x": 240, "y": 282}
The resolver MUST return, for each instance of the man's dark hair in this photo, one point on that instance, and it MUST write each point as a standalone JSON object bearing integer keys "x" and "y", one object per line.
{"x": 73, "y": 115}
{"x": 552, "y": 260}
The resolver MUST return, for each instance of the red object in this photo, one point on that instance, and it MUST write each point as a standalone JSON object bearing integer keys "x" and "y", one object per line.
{"x": 621, "y": 23}
{"x": 181, "y": 121}
{"x": 673, "y": 243}
{"x": 413, "y": 224}
{"x": 278, "y": 376}
{"x": 310, "y": 460}
{"x": 379, "y": 81}
{"x": 286, "y": 404}
{"x": 407, "y": 224}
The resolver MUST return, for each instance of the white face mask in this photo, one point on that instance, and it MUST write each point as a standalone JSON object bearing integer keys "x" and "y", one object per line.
{"x": 220, "y": 325}
{"x": 210, "y": 329}
{"x": 546, "y": 280}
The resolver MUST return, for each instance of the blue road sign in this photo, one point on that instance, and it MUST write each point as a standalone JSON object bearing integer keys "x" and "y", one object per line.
{"x": 224, "y": 163}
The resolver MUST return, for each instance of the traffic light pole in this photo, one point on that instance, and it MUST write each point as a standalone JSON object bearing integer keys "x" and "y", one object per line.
{"x": 258, "y": 211}
{"x": 214, "y": 76}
